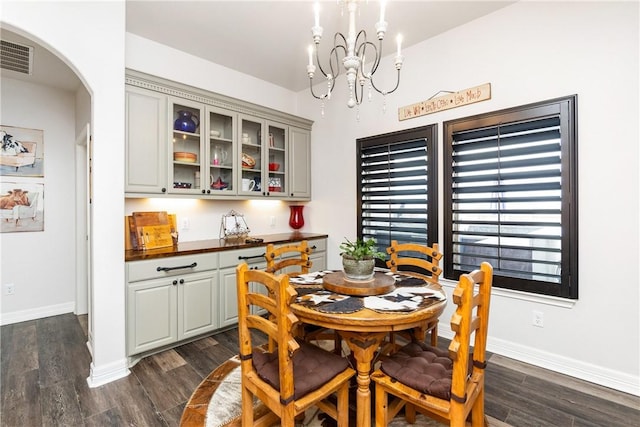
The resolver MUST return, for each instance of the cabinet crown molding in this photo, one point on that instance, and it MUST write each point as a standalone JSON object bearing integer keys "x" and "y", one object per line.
{"x": 173, "y": 88}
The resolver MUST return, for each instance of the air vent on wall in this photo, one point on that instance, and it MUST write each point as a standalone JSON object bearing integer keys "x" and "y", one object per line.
{"x": 16, "y": 57}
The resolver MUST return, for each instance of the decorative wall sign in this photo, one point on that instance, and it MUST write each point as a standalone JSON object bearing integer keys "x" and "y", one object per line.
{"x": 21, "y": 207}
{"x": 446, "y": 102}
{"x": 21, "y": 151}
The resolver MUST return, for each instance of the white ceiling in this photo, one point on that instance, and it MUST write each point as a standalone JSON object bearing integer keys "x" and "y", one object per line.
{"x": 264, "y": 39}
{"x": 269, "y": 39}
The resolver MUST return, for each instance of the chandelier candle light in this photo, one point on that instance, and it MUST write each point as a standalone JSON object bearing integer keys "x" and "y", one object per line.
{"x": 353, "y": 49}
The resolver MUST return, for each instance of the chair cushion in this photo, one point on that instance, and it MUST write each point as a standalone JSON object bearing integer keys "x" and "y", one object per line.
{"x": 312, "y": 368}
{"x": 423, "y": 368}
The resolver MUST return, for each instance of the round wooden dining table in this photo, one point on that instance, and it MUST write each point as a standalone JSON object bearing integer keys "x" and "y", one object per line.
{"x": 363, "y": 331}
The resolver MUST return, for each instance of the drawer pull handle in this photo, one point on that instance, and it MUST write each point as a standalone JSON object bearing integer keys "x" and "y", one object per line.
{"x": 195, "y": 264}
{"x": 250, "y": 257}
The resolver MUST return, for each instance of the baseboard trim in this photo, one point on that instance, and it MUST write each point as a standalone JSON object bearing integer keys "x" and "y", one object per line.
{"x": 575, "y": 368}
{"x": 36, "y": 313}
{"x": 101, "y": 375}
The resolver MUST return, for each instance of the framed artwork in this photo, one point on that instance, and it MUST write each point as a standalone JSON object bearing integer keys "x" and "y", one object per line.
{"x": 21, "y": 151}
{"x": 21, "y": 207}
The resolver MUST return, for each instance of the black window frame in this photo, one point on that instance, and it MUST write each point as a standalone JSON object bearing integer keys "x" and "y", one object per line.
{"x": 425, "y": 134}
{"x": 565, "y": 109}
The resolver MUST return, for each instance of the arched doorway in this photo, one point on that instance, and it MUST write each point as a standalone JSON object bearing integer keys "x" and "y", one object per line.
{"x": 47, "y": 95}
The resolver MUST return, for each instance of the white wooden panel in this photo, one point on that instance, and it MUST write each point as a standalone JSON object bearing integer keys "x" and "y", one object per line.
{"x": 198, "y": 304}
{"x": 151, "y": 315}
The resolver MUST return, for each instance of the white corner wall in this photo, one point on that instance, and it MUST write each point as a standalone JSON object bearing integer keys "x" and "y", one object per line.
{"x": 89, "y": 37}
{"x": 529, "y": 52}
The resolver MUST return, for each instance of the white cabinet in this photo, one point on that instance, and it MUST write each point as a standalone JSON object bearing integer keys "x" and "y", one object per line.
{"x": 277, "y": 163}
{"x": 318, "y": 257}
{"x": 170, "y": 299}
{"x": 186, "y": 142}
{"x": 187, "y": 165}
{"x": 263, "y": 157}
{"x": 220, "y": 153}
{"x": 146, "y": 141}
{"x": 254, "y": 257}
{"x": 229, "y": 260}
{"x": 300, "y": 161}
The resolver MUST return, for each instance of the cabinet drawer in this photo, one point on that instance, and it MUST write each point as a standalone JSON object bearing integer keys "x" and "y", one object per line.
{"x": 250, "y": 255}
{"x": 144, "y": 270}
{"x": 320, "y": 245}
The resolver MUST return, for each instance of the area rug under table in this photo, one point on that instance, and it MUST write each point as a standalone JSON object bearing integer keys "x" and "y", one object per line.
{"x": 217, "y": 402}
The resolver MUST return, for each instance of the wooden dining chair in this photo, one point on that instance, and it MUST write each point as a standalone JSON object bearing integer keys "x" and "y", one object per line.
{"x": 426, "y": 267}
{"x": 295, "y": 375}
{"x": 287, "y": 256}
{"x": 446, "y": 386}
{"x": 281, "y": 260}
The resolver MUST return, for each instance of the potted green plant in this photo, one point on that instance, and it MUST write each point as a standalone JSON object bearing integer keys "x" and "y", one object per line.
{"x": 358, "y": 258}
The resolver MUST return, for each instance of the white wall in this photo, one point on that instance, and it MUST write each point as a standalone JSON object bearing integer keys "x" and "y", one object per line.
{"x": 166, "y": 62}
{"x": 529, "y": 52}
{"x": 204, "y": 216}
{"x": 89, "y": 37}
{"x": 42, "y": 264}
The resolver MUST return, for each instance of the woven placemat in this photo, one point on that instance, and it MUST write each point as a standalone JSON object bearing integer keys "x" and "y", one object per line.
{"x": 333, "y": 303}
{"x": 408, "y": 281}
{"x": 347, "y": 305}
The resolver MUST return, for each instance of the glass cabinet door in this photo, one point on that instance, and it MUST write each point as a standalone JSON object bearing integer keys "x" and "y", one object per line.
{"x": 277, "y": 160}
{"x": 220, "y": 153}
{"x": 251, "y": 158}
{"x": 186, "y": 147}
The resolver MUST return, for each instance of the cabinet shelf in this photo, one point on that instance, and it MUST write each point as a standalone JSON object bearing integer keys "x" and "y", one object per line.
{"x": 216, "y": 139}
{"x": 186, "y": 134}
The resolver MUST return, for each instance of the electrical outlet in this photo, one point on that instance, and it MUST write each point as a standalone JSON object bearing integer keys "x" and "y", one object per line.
{"x": 538, "y": 319}
{"x": 9, "y": 289}
{"x": 185, "y": 223}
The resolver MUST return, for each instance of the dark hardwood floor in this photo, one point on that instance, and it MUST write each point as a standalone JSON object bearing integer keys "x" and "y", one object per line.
{"x": 45, "y": 364}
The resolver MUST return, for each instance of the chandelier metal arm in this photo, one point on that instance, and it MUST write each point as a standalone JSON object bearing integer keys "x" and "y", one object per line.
{"x": 312, "y": 92}
{"x": 334, "y": 58}
{"x": 361, "y": 53}
{"x": 389, "y": 91}
{"x": 333, "y": 54}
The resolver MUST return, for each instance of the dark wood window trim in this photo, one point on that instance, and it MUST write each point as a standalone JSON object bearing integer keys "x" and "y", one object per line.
{"x": 397, "y": 182}
{"x": 471, "y": 147}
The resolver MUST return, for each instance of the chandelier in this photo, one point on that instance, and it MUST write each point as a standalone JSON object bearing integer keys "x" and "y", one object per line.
{"x": 354, "y": 49}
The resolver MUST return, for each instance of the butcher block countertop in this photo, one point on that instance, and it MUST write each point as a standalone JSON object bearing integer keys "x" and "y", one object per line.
{"x": 217, "y": 245}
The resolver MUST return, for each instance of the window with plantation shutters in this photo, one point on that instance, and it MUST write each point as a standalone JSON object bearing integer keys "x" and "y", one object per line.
{"x": 397, "y": 189}
{"x": 510, "y": 197}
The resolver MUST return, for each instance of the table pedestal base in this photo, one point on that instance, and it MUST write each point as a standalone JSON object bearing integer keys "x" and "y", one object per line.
{"x": 363, "y": 346}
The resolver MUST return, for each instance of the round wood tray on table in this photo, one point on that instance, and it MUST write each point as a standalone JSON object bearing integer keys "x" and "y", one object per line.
{"x": 379, "y": 284}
